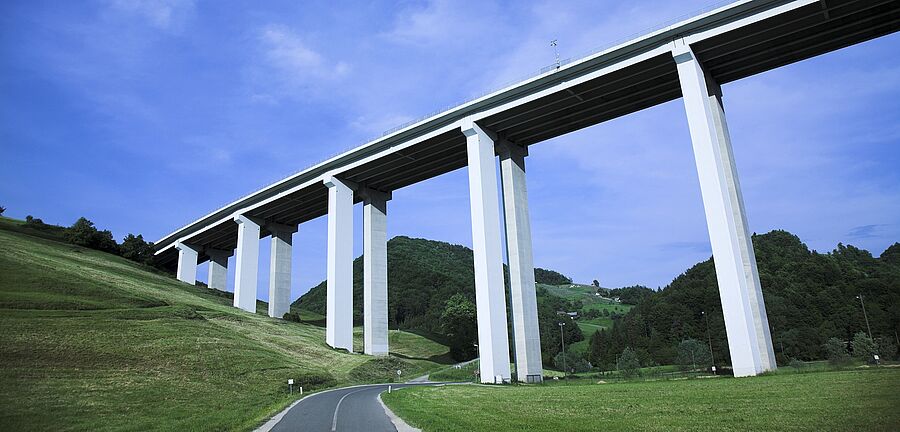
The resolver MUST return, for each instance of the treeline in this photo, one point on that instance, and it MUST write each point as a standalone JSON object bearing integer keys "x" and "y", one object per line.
{"x": 84, "y": 233}
{"x": 810, "y": 297}
{"x": 432, "y": 291}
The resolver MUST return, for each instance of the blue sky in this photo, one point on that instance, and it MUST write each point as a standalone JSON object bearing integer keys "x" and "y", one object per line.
{"x": 143, "y": 116}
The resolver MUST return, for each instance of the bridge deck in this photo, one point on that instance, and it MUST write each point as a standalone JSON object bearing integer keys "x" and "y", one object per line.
{"x": 736, "y": 41}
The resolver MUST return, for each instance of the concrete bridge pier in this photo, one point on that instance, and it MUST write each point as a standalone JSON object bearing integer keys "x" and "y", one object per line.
{"x": 339, "y": 279}
{"x": 246, "y": 262}
{"x": 187, "y": 262}
{"x": 490, "y": 296}
{"x": 375, "y": 282}
{"x": 280, "y": 269}
{"x": 746, "y": 324}
{"x": 218, "y": 268}
{"x": 521, "y": 262}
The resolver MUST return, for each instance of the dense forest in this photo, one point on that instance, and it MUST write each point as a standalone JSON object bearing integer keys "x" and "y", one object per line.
{"x": 423, "y": 275}
{"x": 810, "y": 297}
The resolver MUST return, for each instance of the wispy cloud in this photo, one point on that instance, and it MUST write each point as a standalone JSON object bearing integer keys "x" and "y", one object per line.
{"x": 168, "y": 15}
{"x": 864, "y": 231}
{"x": 292, "y": 64}
{"x": 440, "y": 22}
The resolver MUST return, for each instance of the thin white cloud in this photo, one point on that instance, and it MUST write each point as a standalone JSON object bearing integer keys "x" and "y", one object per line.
{"x": 292, "y": 64}
{"x": 446, "y": 24}
{"x": 168, "y": 15}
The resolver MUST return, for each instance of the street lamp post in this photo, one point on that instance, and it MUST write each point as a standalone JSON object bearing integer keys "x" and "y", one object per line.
{"x": 562, "y": 340}
{"x": 868, "y": 328}
{"x": 865, "y": 315}
{"x": 709, "y": 338}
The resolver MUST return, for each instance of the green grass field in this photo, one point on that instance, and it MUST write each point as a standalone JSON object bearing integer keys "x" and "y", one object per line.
{"x": 91, "y": 341}
{"x": 823, "y": 401}
{"x": 589, "y": 301}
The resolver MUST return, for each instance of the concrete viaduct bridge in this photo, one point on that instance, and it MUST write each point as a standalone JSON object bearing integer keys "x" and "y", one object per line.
{"x": 690, "y": 60}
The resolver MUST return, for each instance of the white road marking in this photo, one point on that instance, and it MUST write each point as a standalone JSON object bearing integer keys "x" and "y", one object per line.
{"x": 338, "y": 406}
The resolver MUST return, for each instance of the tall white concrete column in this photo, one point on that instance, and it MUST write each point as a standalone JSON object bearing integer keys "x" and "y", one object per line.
{"x": 246, "y": 263}
{"x": 218, "y": 268}
{"x": 521, "y": 263}
{"x": 375, "y": 284}
{"x": 490, "y": 296}
{"x": 339, "y": 280}
{"x": 280, "y": 269}
{"x": 745, "y": 240}
{"x": 746, "y": 325}
{"x": 187, "y": 263}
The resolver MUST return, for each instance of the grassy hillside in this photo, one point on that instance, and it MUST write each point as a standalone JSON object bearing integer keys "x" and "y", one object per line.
{"x": 585, "y": 298}
{"x": 91, "y": 341}
{"x": 835, "y": 401}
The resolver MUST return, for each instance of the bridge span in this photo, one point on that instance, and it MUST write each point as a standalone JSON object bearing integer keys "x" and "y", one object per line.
{"x": 690, "y": 59}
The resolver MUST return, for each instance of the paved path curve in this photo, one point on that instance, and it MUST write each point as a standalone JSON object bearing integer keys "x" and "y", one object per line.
{"x": 345, "y": 409}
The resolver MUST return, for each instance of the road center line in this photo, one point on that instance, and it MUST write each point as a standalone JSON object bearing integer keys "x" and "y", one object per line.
{"x": 338, "y": 407}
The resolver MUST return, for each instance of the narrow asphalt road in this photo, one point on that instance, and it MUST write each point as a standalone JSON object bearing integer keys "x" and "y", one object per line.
{"x": 346, "y": 409}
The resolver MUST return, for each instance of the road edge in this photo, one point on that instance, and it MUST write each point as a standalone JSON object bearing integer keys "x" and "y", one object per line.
{"x": 398, "y": 422}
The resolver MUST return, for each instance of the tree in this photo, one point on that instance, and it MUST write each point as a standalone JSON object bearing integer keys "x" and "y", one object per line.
{"x": 836, "y": 352}
{"x": 83, "y": 233}
{"x": 135, "y": 248}
{"x": 628, "y": 363}
{"x": 596, "y": 283}
{"x": 550, "y": 277}
{"x": 864, "y": 347}
{"x": 575, "y": 362}
{"x": 33, "y": 222}
{"x": 2, "y": 209}
{"x": 459, "y": 324}
{"x": 693, "y": 353}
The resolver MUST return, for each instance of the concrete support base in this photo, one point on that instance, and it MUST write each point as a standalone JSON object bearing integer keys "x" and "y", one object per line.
{"x": 339, "y": 279}
{"x": 218, "y": 268}
{"x": 529, "y": 367}
{"x": 493, "y": 338}
{"x": 246, "y": 263}
{"x": 749, "y": 339}
{"x": 375, "y": 283}
{"x": 280, "y": 269}
{"x": 187, "y": 263}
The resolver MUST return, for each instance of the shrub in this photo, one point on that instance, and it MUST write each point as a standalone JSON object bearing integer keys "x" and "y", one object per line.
{"x": 83, "y": 233}
{"x": 836, "y": 352}
{"x": 864, "y": 347}
{"x": 693, "y": 353}
{"x": 291, "y": 316}
{"x": 572, "y": 361}
{"x": 797, "y": 364}
{"x": 629, "y": 364}
{"x": 136, "y": 249}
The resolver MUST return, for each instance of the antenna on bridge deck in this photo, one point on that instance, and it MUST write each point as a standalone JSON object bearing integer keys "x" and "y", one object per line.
{"x": 555, "y": 51}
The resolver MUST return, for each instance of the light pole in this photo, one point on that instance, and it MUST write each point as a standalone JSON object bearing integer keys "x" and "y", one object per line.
{"x": 866, "y": 316}
{"x": 562, "y": 340}
{"x": 709, "y": 338}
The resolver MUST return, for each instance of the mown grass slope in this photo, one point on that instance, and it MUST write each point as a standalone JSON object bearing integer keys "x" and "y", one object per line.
{"x": 833, "y": 401}
{"x": 91, "y": 341}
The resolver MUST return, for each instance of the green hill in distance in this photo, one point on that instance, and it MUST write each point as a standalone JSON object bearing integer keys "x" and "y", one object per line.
{"x": 92, "y": 341}
{"x": 424, "y": 274}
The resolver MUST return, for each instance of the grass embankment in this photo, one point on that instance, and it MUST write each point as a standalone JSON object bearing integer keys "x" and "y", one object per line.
{"x": 91, "y": 341}
{"x": 586, "y": 294}
{"x": 834, "y": 401}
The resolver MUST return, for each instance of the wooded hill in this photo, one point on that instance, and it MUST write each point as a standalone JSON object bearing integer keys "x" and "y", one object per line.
{"x": 424, "y": 274}
{"x": 810, "y": 297}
